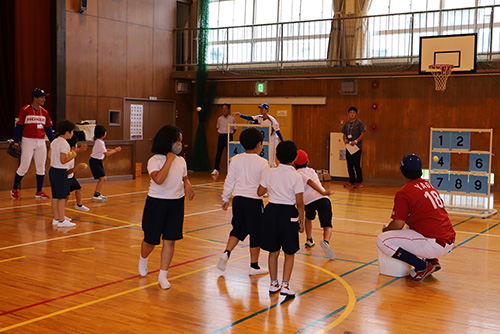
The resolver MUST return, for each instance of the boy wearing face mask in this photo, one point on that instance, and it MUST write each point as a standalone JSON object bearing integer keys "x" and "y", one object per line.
{"x": 163, "y": 215}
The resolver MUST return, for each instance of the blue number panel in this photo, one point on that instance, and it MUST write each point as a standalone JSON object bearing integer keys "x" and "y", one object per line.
{"x": 478, "y": 184}
{"x": 459, "y": 183}
{"x": 460, "y": 141}
{"x": 263, "y": 129}
{"x": 441, "y": 182}
{"x": 234, "y": 149}
{"x": 441, "y": 140}
{"x": 442, "y": 163}
{"x": 479, "y": 162}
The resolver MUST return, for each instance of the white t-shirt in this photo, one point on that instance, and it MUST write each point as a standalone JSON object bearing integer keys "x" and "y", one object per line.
{"x": 310, "y": 195}
{"x": 173, "y": 186}
{"x": 283, "y": 183}
{"x": 99, "y": 149}
{"x": 58, "y": 146}
{"x": 71, "y": 164}
{"x": 244, "y": 175}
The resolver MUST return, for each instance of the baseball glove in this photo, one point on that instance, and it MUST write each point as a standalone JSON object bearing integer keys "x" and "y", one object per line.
{"x": 14, "y": 150}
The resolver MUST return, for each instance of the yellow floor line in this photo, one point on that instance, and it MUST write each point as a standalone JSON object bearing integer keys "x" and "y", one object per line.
{"x": 12, "y": 259}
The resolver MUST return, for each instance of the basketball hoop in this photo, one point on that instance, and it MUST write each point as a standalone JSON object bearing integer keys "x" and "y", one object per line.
{"x": 441, "y": 72}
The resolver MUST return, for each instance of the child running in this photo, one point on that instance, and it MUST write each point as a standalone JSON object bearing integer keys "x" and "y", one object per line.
{"x": 99, "y": 152}
{"x": 315, "y": 199}
{"x": 74, "y": 185}
{"x": 243, "y": 177}
{"x": 163, "y": 215}
{"x": 282, "y": 221}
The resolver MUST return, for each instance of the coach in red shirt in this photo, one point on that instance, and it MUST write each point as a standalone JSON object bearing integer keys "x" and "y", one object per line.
{"x": 430, "y": 234}
{"x": 33, "y": 124}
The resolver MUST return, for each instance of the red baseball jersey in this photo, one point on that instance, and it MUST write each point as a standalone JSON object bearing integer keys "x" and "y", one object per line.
{"x": 418, "y": 204}
{"x": 34, "y": 121}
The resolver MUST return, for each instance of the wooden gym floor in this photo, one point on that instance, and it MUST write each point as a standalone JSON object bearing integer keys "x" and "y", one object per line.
{"x": 85, "y": 279}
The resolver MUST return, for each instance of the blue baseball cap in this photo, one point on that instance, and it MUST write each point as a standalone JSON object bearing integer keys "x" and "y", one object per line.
{"x": 411, "y": 162}
{"x": 37, "y": 92}
{"x": 264, "y": 105}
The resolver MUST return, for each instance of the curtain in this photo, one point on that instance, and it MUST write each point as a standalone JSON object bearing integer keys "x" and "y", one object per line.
{"x": 361, "y": 40}
{"x": 336, "y": 51}
{"x": 7, "y": 56}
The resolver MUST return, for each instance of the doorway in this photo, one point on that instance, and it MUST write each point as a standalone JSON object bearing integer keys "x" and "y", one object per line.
{"x": 150, "y": 116}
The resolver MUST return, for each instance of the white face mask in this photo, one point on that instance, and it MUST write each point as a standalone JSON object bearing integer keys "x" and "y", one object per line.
{"x": 176, "y": 148}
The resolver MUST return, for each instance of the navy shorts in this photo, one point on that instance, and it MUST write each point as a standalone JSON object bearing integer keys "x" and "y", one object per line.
{"x": 324, "y": 208}
{"x": 162, "y": 219}
{"x": 59, "y": 182}
{"x": 280, "y": 228}
{"x": 96, "y": 168}
{"x": 247, "y": 219}
{"x": 74, "y": 184}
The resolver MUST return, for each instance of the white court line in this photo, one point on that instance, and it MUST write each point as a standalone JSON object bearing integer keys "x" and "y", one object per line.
{"x": 92, "y": 232}
{"x": 90, "y": 198}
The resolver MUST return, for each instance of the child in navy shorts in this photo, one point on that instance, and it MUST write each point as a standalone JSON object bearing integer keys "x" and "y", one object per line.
{"x": 284, "y": 215}
{"x": 164, "y": 209}
{"x": 74, "y": 185}
{"x": 60, "y": 156}
{"x": 315, "y": 199}
{"x": 99, "y": 152}
{"x": 243, "y": 178}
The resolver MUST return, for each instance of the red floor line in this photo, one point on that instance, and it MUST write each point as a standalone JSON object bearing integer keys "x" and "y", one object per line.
{"x": 98, "y": 287}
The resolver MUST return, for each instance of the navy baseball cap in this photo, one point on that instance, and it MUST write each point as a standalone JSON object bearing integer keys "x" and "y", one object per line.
{"x": 37, "y": 92}
{"x": 264, "y": 105}
{"x": 411, "y": 162}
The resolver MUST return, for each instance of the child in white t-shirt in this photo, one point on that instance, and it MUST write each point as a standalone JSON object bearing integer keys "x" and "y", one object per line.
{"x": 315, "y": 199}
{"x": 163, "y": 215}
{"x": 99, "y": 152}
{"x": 243, "y": 178}
{"x": 283, "y": 217}
{"x": 60, "y": 156}
{"x": 74, "y": 185}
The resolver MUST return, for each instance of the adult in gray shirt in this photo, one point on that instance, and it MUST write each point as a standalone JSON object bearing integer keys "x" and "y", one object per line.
{"x": 354, "y": 131}
{"x": 224, "y": 132}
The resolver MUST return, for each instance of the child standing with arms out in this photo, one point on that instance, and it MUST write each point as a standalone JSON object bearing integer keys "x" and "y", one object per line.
{"x": 243, "y": 178}
{"x": 282, "y": 221}
{"x": 74, "y": 185}
{"x": 99, "y": 152}
{"x": 60, "y": 156}
{"x": 163, "y": 215}
{"x": 315, "y": 199}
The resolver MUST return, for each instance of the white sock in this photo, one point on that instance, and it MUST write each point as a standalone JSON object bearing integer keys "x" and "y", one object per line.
{"x": 163, "y": 274}
{"x": 143, "y": 259}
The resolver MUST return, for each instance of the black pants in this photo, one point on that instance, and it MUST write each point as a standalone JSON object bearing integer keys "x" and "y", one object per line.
{"x": 354, "y": 167}
{"x": 221, "y": 144}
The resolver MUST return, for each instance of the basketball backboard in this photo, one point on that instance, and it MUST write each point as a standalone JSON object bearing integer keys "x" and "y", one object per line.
{"x": 457, "y": 50}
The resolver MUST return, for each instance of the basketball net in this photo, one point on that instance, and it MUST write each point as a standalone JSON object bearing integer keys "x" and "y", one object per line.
{"x": 441, "y": 72}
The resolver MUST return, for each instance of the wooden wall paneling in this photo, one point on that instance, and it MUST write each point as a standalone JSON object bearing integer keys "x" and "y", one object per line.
{"x": 104, "y": 104}
{"x": 81, "y": 108}
{"x": 74, "y": 6}
{"x": 165, "y": 12}
{"x": 81, "y": 54}
{"x": 112, "y": 58}
{"x": 139, "y": 61}
{"x": 163, "y": 83}
{"x": 186, "y": 117}
{"x": 113, "y": 9}
{"x": 140, "y": 12}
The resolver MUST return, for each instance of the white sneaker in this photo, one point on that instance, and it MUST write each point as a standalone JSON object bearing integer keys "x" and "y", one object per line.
{"x": 287, "y": 291}
{"x": 66, "y": 223}
{"x": 328, "y": 251}
{"x": 222, "y": 261}
{"x": 99, "y": 198}
{"x": 164, "y": 283}
{"x": 55, "y": 222}
{"x": 82, "y": 208}
{"x": 68, "y": 219}
{"x": 260, "y": 271}
{"x": 274, "y": 287}
{"x": 215, "y": 172}
{"x": 309, "y": 243}
{"x": 143, "y": 268}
